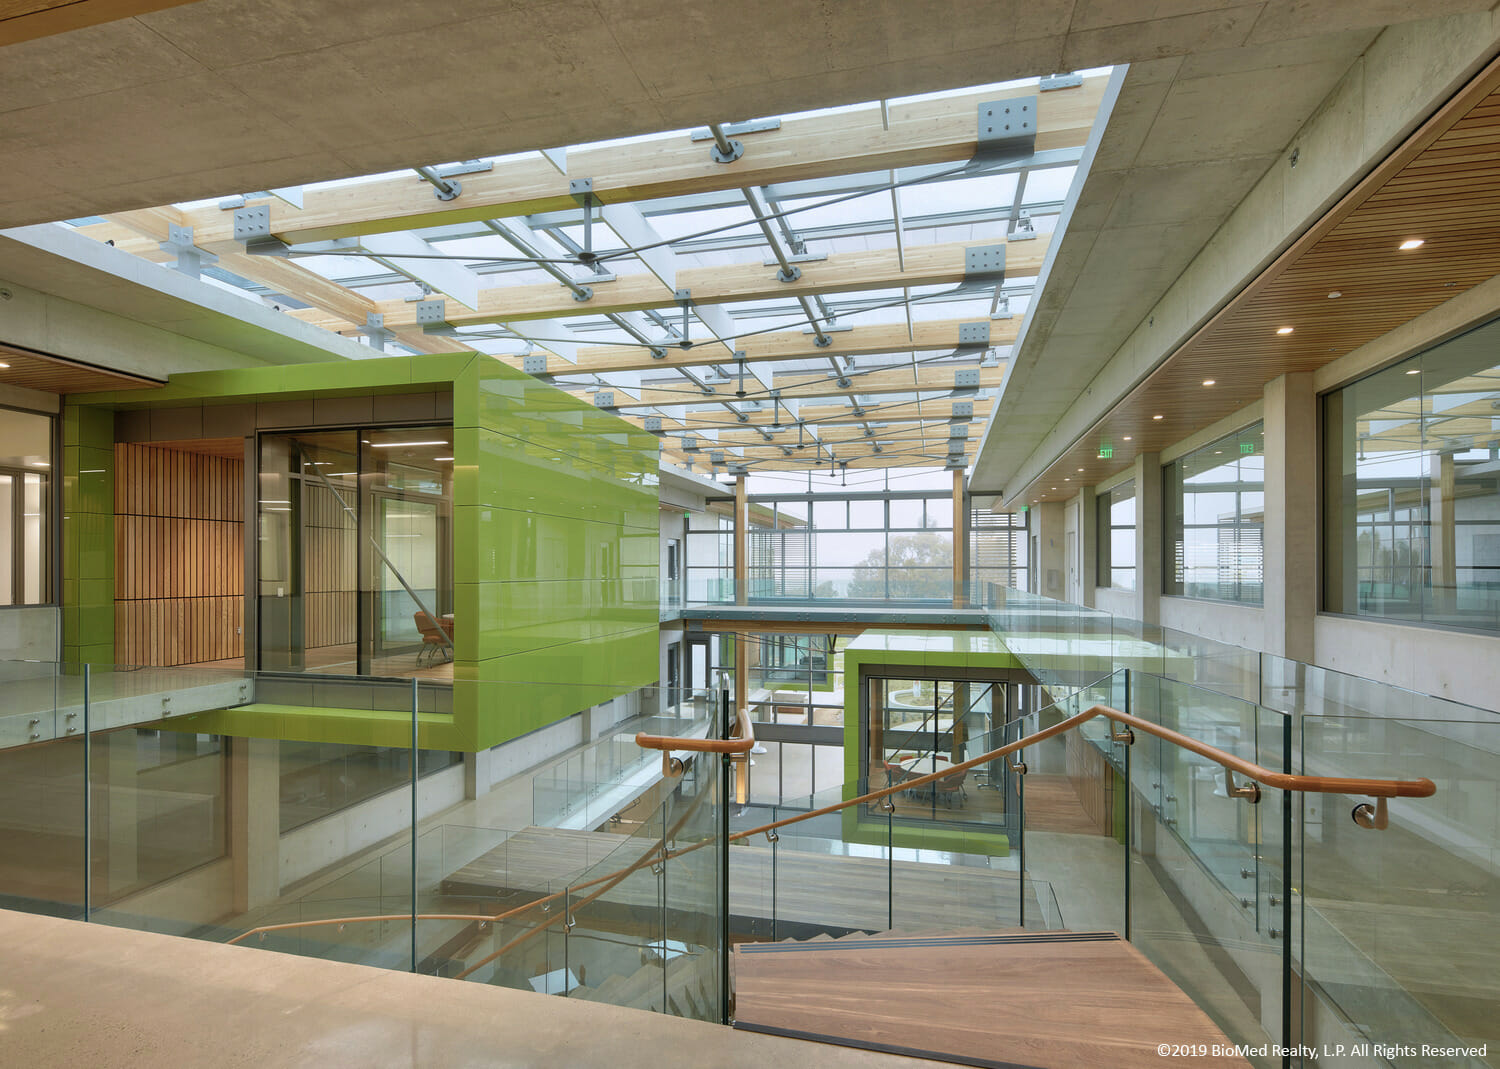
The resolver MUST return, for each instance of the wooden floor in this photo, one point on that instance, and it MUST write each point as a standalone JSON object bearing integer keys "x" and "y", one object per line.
{"x": 1058, "y": 1000}
{"x": 1052, "y": 805}
{"x": 802, "y": 891}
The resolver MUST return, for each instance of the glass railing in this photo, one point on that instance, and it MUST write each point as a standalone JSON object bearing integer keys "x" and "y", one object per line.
{"x": 214, "y": 804}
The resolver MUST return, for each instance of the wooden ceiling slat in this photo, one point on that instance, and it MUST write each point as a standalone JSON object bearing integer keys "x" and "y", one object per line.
{"x": 1442, "y": 185}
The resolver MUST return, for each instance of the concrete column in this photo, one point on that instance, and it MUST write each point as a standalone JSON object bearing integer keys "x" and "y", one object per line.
{"x": 1088, "y": 547}
{"x": 1291, "y": 516}
{"x": 479, "y": 774}
{"x": 741, "y": 542}
{"x": 255, "y": 820}
{"x": 1148, "y": 537}
{"x": 1050, "y": 545}
{"x": 960, "y": 544}
{"x": 1442, "y": 540}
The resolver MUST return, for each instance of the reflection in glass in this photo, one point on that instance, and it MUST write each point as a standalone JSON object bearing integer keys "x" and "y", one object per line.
{"x": 1117, "y": 537}
{"x": 1412, "y": 488}
{"x": 25, "y": 477}
{"x": 1215, "y": 519}
{"x": 355, "y": 551}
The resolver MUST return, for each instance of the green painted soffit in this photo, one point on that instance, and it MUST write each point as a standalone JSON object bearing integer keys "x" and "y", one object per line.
{"x": 389, "y": 374}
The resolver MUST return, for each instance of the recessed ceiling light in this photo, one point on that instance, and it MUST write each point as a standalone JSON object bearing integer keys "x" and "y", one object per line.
{"x": 1208, "y": 382}
{"x": 1415, "y": 371}
{"x": 1283, "y": 330}
{"x": 1156, "y": 417}
{"x": 442, "y": 458}
{"x": 4, "y": 365}
{"x": 1411, "y": 243}
{"x": 1334, "y": 295}
{"x": 398, "y": 445}
{"x": 1067, "y": 478}
{"x": 1080, "y": 469}
{"x": 1127, "y": 437}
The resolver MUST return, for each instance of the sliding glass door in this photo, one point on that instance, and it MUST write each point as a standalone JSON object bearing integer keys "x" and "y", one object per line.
{"x": 355, "y": 551}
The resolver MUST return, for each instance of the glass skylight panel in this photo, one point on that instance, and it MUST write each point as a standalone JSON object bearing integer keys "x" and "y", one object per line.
{"x": 806, "y": 214}
{"x": 739, "y": 221}
{"x": 1050, "y": 184}
{"x": 995, "y": 191}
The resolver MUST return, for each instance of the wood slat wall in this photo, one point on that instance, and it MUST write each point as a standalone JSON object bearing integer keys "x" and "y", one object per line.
{"x": 179, "y": 556}
{"x": 1089, "y": 774}
{"x": 328, "y": 563}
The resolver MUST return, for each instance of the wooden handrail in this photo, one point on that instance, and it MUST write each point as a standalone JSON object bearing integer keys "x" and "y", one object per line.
{"x": 737, "y": 746}
{"x": 1374, "y": 788}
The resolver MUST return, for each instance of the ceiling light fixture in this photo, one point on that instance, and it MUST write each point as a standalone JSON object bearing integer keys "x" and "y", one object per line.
{"x": 1412, "y": 243}
{"x": 400, "y": 445}
{"x": 1334, "y": 295}
{"x": 1208, "y": 382}
{"x": 442, "y": 458}
{"x": 1283, "y": 330}
{"x": 4, "y": 365}
{"x": 1415, "y": 371}
{"x": 1156, "y": 417}
{"x": 1127, "y": 437}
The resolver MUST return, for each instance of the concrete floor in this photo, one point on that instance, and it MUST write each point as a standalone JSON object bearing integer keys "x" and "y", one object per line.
{"x": 79, "y": 994}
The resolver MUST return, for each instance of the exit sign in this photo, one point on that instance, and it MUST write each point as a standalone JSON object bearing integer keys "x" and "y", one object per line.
{"x": 1247, "y": 447}
{"x": 1106, "y": 451}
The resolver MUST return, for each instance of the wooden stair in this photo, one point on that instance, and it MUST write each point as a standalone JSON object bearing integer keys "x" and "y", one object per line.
{"x": 1014, "y": 998}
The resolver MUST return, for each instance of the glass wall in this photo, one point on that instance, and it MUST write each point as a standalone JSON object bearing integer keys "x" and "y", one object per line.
{"x": 862, "y": 548}
{"x": 1411, "y": 505}
{"x": 25, "y": 504}
{"x": 355, "y": 551}
{"x": 1116, "y": 518}
{"x": 1215, "y": 519}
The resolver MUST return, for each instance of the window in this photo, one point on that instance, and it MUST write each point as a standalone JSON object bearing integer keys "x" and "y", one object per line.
{"x": 25, "y": 507}
{"x": 1116, "y": 548}
{"x": 997, "y": 551}
{"x": 1215, "y": 518}
{"x": 1411, "y": 489}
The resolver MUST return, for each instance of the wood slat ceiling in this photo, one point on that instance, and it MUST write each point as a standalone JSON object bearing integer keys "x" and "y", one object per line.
{"x": 1442, "y": 185}
{"x": 54, "y": 374}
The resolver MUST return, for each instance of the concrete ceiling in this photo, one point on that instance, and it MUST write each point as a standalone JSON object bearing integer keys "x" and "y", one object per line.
{"x": 224, "y": 96}
{"x": 1187, "y": 139}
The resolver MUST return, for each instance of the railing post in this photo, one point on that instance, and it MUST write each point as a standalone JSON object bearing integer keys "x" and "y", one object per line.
{"x": 725, "y": 780}
{"x": 88, "y": 800}
{"x": 416, "y": 695}
{"x": 1128, "y": 822}
{"x": 1286, "y": 895}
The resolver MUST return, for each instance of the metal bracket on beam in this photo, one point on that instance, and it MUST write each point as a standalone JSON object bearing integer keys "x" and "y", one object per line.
{"x": 653, "y": 423}
{"x": 534, "y": 363}
{"x": 716, "y": 458}
{"x": 963, "y": 410}
{"x": 374, "y": 329}
{"x": 1061, "y": 81}
{"x": 966, "y": 379}
{"x": 799, "y": 258}
{"x": 984, "y": 263}
{"x": 432, "y": 317}
{"x": 689, "y": 444}
{"x": 830, "y": 328}
{"x": 973, "y": 336}
{"x": 958, "y": 430}
{"x": 466, "y": 167}
{"x": 252, "y": 227}
{"x": 190, "y": 259}
{"x": 605, "y": 399}
{"x": 1024, "y": 230}
{"x": 1006, "y": 128}
{"x": 754, "y": 126}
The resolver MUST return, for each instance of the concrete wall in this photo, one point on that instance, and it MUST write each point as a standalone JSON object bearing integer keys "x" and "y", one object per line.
{"x": 30, "y": 633}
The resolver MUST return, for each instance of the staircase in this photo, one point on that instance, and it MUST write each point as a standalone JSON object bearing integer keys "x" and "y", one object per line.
{"x": 1009, "y": 998}
{"x": 689, "y": 987}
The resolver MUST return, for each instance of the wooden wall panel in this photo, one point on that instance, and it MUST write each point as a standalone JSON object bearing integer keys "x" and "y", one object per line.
{"x": 329, "y": 560}
{"x": 179, "y": 556}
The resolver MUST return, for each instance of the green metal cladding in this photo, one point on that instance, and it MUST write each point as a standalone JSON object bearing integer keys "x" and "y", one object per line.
{"x": 555, "y": 546}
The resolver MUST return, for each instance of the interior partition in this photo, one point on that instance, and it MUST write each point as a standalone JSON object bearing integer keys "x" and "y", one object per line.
{"x": 179, "y": 546}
